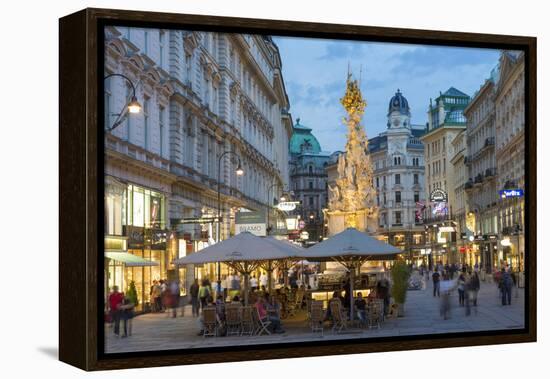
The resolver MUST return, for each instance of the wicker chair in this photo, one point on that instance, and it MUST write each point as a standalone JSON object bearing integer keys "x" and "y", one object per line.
{"x": 248, "y": 326}
{"x": 374, "y": 314}
{"x": 210, "y": 322}
{"x": 233, "y": 319}
{"x": 317, "y": 317}
{"x": 338, "y": 317}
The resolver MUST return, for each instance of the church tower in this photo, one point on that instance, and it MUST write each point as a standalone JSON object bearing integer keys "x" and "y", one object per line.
{"x": 399, "y": 114}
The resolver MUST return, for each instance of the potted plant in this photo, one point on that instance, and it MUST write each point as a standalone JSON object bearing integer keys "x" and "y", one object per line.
{"x": 400, "y": 282}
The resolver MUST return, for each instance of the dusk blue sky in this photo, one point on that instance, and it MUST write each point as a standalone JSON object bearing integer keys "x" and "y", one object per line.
{"x": 315, "y": 71}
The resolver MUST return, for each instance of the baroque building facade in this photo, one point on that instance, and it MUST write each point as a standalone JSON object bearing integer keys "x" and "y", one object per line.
{"x": 460, "y": 176}
{"x": 398, "y": 159}
{"x": 308, "y": 177}
{"x": 510, "y": 157}
{"x": 480, "y": 187}
{"x": 445, "y": 121}
{"x": 202, "y": 95}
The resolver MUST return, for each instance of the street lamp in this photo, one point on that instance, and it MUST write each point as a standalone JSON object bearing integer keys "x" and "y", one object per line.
{"x": 240, "y": 172}
{"x": 269, "y": 203}
{"x": 133, "y": 106}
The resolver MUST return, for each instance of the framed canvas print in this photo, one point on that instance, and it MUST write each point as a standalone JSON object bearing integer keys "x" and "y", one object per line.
{"x": 240, "y": 189}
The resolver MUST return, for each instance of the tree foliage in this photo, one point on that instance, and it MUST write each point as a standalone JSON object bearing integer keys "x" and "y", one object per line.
{"x": 400, "y": 281}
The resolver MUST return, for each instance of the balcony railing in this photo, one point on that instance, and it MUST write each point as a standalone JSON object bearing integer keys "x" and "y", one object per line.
{"x": 478, "y": 179}
{"x": 489, "y": 141}
{"x": 490, "y": 172}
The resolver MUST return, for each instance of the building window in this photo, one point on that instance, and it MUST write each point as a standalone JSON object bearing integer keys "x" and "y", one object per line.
{"x": 384, "y": 180}
{"x": 311, "y": 200}
{"x": 416, "y": 161}
{"x": 377, "y": 199}
{"x": 377, "y": 182}
{"x": 310, "y": 185}
{"x": 107, "y": 105}
{"x": 161, "y": 130}
{"x": 397, "y": 178}
{"x": 384, "y": 198}
{"x": 415, "y": 178}
{"x": 310, "y": 169}
{"x": 397, "y": 161}
{"x": 161, "y": 48}
{"x": 397, "y": 217}
{"x": 416, "y": 197}
{"x": 398, "y": 196}
{"x": 146, "y": 104}
{"x": 146, "y": 42}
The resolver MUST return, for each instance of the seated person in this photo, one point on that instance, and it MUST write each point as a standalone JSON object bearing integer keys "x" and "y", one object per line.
{"x": 273, "y": 308}
{"x": 236, "y": 300}
{"x": 260, "y": 307}
{"x": 335, "y": 297}
{"x": 361, "y": 307}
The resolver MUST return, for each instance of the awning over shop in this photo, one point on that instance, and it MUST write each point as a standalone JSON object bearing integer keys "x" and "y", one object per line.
{"x": 128, "y": 259}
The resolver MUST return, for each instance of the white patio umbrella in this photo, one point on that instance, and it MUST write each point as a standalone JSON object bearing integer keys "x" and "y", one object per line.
{"x": 351, "y": 248}
{"x": 244, "y": 253}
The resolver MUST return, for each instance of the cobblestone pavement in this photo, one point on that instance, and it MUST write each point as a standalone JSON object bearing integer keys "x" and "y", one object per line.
{"x": 422, "y": 316}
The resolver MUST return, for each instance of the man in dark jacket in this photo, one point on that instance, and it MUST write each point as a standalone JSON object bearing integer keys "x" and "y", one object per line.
{"x": 194, "y": 293}
{"x": 505, "y": 286}
{"x": 435, "y": 279}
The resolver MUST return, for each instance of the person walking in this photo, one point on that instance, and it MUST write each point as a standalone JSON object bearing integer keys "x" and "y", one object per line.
{"x": 505, "y": 286}
{"x": 115, "y": 301}
{"x": 475, "y": 285}
{"x": 461, "y": 283}
{"x": 204, "y": 293}
{"x": 194, "y": 293}
{"x": 175, "y": 293}
{"x": 436, "y": 282}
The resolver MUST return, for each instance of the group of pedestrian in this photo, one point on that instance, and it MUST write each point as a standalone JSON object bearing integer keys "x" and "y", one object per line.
{"x": 120, "y": 309}
{"x": 165, "y": 295}
{"x": 467, "y": 285}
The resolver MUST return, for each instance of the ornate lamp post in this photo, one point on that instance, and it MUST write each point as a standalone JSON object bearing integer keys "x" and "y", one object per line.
{"x": 133, "y": 105}
{"x": 239, "y": 171}
{"x": 269, "y": 204}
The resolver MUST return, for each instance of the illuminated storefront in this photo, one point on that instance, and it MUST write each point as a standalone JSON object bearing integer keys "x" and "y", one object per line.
{"x": 135, "y": 229}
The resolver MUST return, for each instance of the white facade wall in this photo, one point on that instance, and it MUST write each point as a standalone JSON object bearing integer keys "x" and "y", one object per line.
{"x": 201, "y": 94}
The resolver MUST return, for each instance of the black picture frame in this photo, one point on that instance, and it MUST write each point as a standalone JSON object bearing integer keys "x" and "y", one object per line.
{"x": 81, "y": 187}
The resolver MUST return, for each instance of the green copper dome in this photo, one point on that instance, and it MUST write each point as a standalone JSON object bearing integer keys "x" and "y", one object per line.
{"x": 302, "y": 141}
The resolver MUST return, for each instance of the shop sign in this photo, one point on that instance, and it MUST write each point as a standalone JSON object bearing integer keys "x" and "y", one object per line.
{"x": 253, "y": 222}
{"x": 291, "y": 223}
{"x": 250, "y": 217}
{"x": 506, "y": 193}
{"x": 256, "y": 229}
{"x": 438, "y": 196}
{"x": 446, "y": 229}
{"x": 193, "y": 220}
{"x": 506, "y": 242}
{"x": 287, "y": 206}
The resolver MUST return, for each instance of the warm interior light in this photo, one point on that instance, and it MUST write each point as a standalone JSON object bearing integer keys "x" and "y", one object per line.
{"x": 134, "y": 106}
{"x": 239, "y": 171}
{"x": 283, "y": 199}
